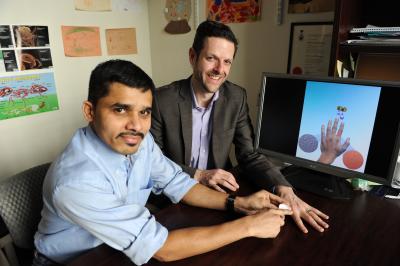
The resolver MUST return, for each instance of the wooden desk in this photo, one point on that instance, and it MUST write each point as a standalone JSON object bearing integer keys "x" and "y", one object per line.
{"x": 363, "y": 231}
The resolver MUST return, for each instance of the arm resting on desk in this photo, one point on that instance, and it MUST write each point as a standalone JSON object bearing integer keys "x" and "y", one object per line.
{"x": 183, "y": 243}
{"x": 202, "y": 196}
{"x": 265, "y": 223}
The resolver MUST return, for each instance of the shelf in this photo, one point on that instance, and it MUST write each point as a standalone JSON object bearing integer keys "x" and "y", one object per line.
{"x": 370, "y": 48}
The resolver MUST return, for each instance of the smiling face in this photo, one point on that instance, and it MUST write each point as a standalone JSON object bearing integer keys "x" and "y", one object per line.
{"x": 211, "y": 67}
{"x": 122, "y": 118}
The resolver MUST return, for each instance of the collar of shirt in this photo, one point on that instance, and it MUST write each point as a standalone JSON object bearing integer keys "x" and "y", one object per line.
{"x": 195, "y": 103}
{"x": 114, "y": 159}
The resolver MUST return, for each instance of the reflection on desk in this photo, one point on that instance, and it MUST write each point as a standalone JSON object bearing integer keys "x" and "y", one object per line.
{"x": 363, "y": 231}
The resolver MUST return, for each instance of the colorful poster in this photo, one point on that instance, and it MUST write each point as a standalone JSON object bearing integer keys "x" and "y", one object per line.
{"x": 93, "y": 5}
{"x": 81, "y": 41}
{"x": 121, "y": 41}
{"x": 27, "y": 94}
{"x": 311, "y": 6}
{"x": 233, "y": 11}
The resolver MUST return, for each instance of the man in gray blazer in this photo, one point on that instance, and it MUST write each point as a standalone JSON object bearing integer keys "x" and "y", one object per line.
{"x": 196, "y": 120}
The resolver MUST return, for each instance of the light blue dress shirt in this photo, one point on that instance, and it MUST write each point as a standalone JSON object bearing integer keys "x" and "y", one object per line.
{"x": 201, "y": 132}
{"x": 93, "y": 195}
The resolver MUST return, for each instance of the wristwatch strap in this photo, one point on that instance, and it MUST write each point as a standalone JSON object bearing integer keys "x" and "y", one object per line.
{"x": 230, "y": 203}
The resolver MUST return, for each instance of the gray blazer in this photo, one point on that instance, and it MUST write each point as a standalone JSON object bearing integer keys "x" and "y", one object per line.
{"x": 172, "y": 130}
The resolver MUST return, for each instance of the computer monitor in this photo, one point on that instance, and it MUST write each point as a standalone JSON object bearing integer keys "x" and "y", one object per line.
{"x": 331, "y": 129}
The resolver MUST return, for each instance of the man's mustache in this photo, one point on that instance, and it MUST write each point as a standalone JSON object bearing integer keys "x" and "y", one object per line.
{"x": 133, "y": 133}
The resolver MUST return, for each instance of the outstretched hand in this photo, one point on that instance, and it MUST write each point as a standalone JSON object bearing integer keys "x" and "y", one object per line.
{"x": 331, "y": 146}
{"x": 303, "y": 211}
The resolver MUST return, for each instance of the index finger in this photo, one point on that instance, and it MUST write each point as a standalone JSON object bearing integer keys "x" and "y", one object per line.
{"x": 277, "y": 199}
{"x": 334, "y": 127}
{"x": 281, "y": 212}
{"x": 329, "y": 129}
{"x": 228, "y": 177}
{"x": 226, "y": 184}
{"x": 340, "y": 131}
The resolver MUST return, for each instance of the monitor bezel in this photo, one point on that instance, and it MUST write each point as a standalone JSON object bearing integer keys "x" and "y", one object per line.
{"x": 313, "y": 165}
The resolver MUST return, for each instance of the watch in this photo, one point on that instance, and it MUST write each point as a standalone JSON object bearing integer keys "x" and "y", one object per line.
{"x": 230, "y": 203}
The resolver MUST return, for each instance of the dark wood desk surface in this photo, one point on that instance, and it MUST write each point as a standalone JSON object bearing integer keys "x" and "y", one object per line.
{"x": 363, "y": 231}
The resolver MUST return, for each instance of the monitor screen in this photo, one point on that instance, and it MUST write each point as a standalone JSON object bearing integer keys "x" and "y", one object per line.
{"x": 343, "y": 127}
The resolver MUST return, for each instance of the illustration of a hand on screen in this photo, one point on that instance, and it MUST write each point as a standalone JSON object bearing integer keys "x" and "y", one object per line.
{"x": 331, "y": 145}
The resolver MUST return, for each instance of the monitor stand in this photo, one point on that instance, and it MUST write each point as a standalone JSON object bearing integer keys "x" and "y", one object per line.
{"x": 321, "y": 184}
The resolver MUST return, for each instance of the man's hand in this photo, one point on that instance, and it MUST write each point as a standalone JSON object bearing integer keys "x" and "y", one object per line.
{"x": 215, "y": 178}
{"x": 266, "y": 223}
{"x": 257, "y": 202}
{"x": 331, "y": 146}
{"x": 302, "y": 210}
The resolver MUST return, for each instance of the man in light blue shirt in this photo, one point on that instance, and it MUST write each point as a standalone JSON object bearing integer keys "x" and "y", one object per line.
{"x": 95, "y": 192}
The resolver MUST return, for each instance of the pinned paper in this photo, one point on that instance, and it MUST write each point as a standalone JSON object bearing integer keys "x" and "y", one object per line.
{"x": 177, "y": 12}
{"x": 81, "y": 41}
{"x": 93, "y": 5}
{"x": 121, "y": 41}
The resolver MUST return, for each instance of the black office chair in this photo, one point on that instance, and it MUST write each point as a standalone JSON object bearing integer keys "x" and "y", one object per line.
{"x": 20, "y": 206}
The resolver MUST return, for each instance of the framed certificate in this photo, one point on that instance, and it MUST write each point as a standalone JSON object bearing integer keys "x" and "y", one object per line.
{"x": 310, "y": 48}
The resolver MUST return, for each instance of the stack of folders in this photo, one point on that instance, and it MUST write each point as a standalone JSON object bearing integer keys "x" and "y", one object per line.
{"x": 372, "y": 35}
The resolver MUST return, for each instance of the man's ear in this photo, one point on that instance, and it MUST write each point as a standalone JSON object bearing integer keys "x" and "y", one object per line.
{"x": 88, "y": 111}
{"x": 192, "y": 56}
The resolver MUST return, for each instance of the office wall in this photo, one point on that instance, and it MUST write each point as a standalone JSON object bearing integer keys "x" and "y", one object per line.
{"x": 31, "y": 140}
{"x": 263, "y": 46}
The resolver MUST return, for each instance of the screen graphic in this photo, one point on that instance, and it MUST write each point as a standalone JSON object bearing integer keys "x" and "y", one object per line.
{"x": 337, "y": 123}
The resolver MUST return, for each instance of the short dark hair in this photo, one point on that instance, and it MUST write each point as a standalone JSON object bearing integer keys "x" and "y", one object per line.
{"x": 210, "y": 28}
{"x": 121, "y": 71}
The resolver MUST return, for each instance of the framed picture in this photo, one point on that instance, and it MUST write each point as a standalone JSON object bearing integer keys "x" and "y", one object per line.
{"x": 310, "y": 48}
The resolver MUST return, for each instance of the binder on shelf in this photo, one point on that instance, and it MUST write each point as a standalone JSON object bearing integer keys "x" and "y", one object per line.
{"x": 372, "y": 29}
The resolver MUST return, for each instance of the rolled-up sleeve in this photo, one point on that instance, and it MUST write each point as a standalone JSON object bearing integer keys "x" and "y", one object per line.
{"x": 168, "y": 176}
{"x": 126, "y": 227}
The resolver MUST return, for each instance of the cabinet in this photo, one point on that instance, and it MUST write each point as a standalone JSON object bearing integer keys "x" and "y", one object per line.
{"x": 367, "y": 58}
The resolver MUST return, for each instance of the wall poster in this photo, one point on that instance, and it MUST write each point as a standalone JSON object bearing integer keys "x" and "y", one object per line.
{"x": 22, "y": 95}
{"x": 26, "y": 71}
{"x": 24, "y": 47}
{"x": 233, "y": 11}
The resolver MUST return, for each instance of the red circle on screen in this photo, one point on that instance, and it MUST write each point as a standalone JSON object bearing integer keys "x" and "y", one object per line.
{"x": 353, "y": 159}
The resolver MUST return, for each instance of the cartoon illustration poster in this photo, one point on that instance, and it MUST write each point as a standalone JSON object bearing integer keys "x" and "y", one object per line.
{"x": 337, "y": 124}
{"x": 27, "y": 94}
{"x": 233, "y": 11}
